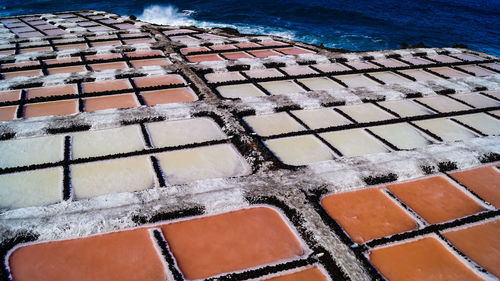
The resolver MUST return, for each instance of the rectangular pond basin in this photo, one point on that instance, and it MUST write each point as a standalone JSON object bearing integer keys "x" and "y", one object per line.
{"x": 417, "y": 60}
{"x": 477, "y": 70}
{"x": 443, "y": 104}
{"x": 484, "y": 181}
{"x": 236, "y": 55}
{"x": 449, "y": 72}
{"x": 390, "y": 63}
{"x": 420, "y": 75}
{"x": 362, "y": 65}
{"x": 297, "y": 70}
{"x": 224, "y": 77}
{"x": 264, "y": 73}
{"x": 406, "y": 108}
{"x": 390, "y": 77}
{"x": 477, "y": 100}
{"x": 402, "y": 135}
{"x": 482, "y": 122}
{"x": 165, "y": 96}
{"x": 331, "y": 67}
{"x": 64, "y": 107}
{"x": 443, "y": 58}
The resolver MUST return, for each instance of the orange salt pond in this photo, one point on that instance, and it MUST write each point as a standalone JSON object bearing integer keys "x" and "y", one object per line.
{"x": 10, "y": 96}
{"x": 169, "y": 96}
{"x": 104, "y": 86}
{"x": 50, "y": 108}
{"x": 108, "y": 66}
{"x": 161, "y": 80}
{"x": 51, "y": 91}
{"x": 236, "y": 55}
{"x": 421, "y": 260}
{"x": 264, "y": 53}
{"x": 435, "y": 199}
{"x": 26, "y": 73}
{"x": 309, "y": 274}
{"x": 484, "y": 181}
{"x": 201, "y": 58}
{"x": 114, "y": 101}
{"x": 8, "y": 113}
{"x": 367, "y": 214}
{"x": 295, "y": 51}
{"x": 204, "y": 247}
{"x": 481, "y": 243}
{"x": 124, "y": 256}
{"x": 150, "y": 62}
{"x": 67, "y": 69}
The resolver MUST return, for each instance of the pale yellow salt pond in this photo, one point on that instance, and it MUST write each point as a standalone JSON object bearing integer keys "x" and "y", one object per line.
{"x": 482, "y": 122}
{"x": 406, "y": 108}
{"x": 31, "y": 188}
{"x": 321, "y": 84}
{"x": 443, "y": 104}
{"x": 112, "y": 176}
{"x": 300, "y": 150}
{"x": 282, "y": 87}
{"x": 240, "y": 91}
{"x": 420, "y": 75}
{"x": 477, "y": 100}
{"x": 273, "y": 124}
{"x": 402, "y": 135}
{"x": 446, "y": 129}
{"x": 390, "y": 77}
{"x": 215, "y": 161}
{"x": 365, "y": 112}
{"x": 181, "y": 132}
{"x": 30, "y": 151}
{"x": 356, "y": 80}
{"x": 354, "y": 142}
{"x": 106, "y": 142}
{"x": 321, "y": 118}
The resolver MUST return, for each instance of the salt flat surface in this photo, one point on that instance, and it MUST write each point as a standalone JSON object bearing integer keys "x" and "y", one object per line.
{"x": 389, "y": 77}
{"x": 223, "y": 77}
{"x": 477, "y": 100}
{"x": 29, "y": 151}
{"x": 300, "y": 150}
{"x": 31, "y": 188}
{"x": 356, "y": 80}
{"x": 355, "y": 142}
{"x": 112, "y": 176}
{"x": 106, "y": 142}
{"x": 420, "y": 75}
{"x": 321, "y": 84}
{"x": 216, "y": 161}
{"x": 181, "y": 132}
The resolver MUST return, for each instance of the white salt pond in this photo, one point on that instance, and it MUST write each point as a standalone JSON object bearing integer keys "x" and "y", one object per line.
{"x": 366, "y": 112}
{"x": 300, "y": 150}
{"x": 356, "y": 80}
{"x": 112, "y": 176}
{"x": 446, "y": 129}
{"x": 478, "y": 71}
{"x": 31, "y": 188}
{"x": 477, "y": 100}
{"x": 181, "y": 132}
{"x": 401, "y": 135}
{"x": 406, "y": 108}
{"x": 215, "y": 161}
{"x": 30, "y": 151}
{"x": 282, "y": 87}
{"x": 443, "y": 104}
{"x": 106, "y": 142}
{"x": 449, "y": 72}
{"x": 273, "y": 124}
{"x": 321, "y": 84}
{"x": 417, "y": 60}
{"x": 224, "y": 77}
{"x": 443, "y": 58}
{"x": 482, "y": 122}
{"x": 354, "y": 142}
{"x": 420, "y": 75}
{"x": 264, "y": 73}
{"x": 390, "y": 77}
{"x": 390, "y": 63}
{"x": 298, "y": 70}
{"x": 321, "y": 118}
{"x": 331, "y": 67}
{"x": 360, "y": 65}
{"x": 240, "y": 91}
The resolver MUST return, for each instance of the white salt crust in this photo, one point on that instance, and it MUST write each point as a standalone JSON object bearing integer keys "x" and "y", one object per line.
{"x": 216, "y": 161}
{"x": 31, "y": 188}
{"x": 181, "y": 132}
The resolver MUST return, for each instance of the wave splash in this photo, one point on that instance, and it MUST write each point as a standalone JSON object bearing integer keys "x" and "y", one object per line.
{"x": 170, "y": 15}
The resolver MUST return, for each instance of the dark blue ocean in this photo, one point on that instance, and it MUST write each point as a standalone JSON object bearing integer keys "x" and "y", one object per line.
{"x": 346, "y": 24}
